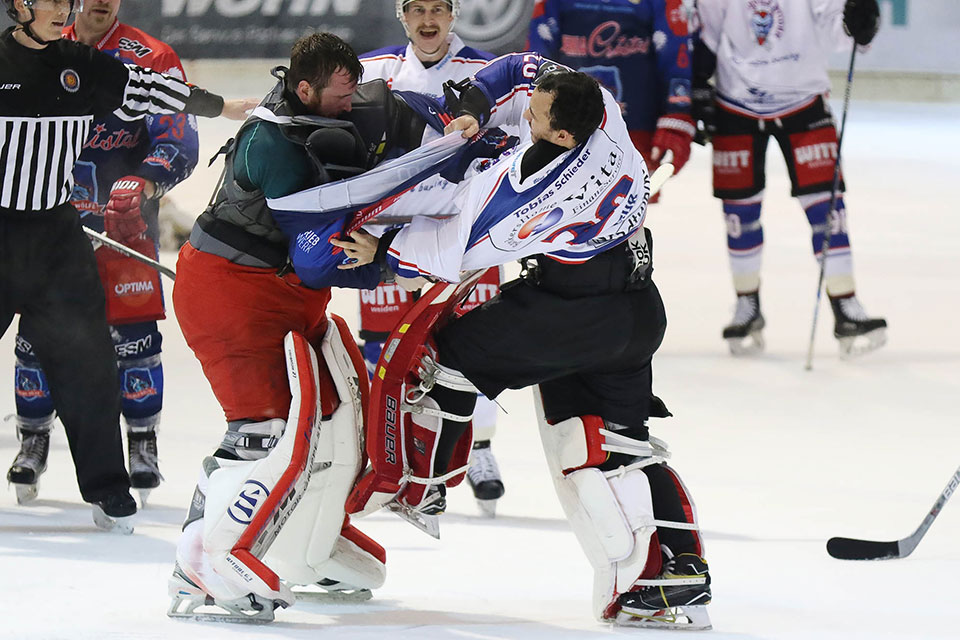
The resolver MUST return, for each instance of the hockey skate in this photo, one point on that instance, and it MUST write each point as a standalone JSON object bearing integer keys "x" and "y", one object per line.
{"x": 115, "y": 512}
{"x": 31, "y": 460}
{"x": 676, "y": 599}
{"x": 142, "y": 460}
{"x": 744, "y": 333}
{"x": 856, "y": 332}
{"x": 426, "y": 515}
{"x": 483, "y": 476}
{"x": 187, "y": 597}
{"x": 328, "y": 591}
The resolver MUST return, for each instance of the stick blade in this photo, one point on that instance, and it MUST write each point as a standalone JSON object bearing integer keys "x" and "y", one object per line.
{"x": 853, "y": 549}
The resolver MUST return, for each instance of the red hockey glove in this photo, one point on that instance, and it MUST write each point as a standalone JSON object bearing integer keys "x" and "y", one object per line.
{"x": 121, "y": 219}
{"x": 674, "y": 133}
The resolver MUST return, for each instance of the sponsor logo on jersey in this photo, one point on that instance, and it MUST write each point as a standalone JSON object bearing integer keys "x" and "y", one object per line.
{"x": 133, "y": 288}
{"x": 138, "y": 384}
{"x": 22, "y": 346}
{"x": 606, "y": 41}
{"x": 30, "y": 384}
{"x": 70, "y": 80}
{"x": 251, "y": 496}
{"x": 133, "y": 46}
{"x": 540, "y": 223}
{"x": 10, "y": 87}
{"x": 119, "y": 139}
{"x": 767, "y": 20}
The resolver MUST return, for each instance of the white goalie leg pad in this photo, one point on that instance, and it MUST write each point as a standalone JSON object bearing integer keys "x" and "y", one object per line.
{"x": 315, "y": 542}
{"x": 611, "y": 512}
{"x": 248, "y": 502}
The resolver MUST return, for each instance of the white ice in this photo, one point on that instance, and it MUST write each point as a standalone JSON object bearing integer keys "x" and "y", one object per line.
{"x": 778, "y": 459}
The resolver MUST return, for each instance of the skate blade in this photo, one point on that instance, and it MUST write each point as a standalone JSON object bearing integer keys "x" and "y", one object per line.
{"x": 144, "y": 494}
{"x": 185, "y": 607}
{"x": 690, "y": 618}
{"x": 322, "y": 596}
{"x": 488, "y": 508}
{"x": 751, "y": 345}
{"x": 853, "y": 346}
{"x": 25, "y": 492}
{"x": 122, "y": 526}
{"x": 426, "y": 523}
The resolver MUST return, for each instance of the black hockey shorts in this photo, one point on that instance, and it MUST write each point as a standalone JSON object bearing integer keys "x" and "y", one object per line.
{"x": 807, "y": 138}
{"x": 591, "y": 355}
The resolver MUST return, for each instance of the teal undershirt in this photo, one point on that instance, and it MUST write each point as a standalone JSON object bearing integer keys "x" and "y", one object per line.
{"x": 268, "y": 162}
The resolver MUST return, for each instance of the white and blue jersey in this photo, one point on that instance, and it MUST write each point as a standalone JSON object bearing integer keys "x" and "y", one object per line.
{"x": 584, "y": 202}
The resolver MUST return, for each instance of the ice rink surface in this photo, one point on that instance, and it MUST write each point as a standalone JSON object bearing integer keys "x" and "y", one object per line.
{"x": 778, "y": 459}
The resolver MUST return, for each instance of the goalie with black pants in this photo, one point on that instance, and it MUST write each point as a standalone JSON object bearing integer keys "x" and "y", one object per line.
{"x": 583, "y": 323}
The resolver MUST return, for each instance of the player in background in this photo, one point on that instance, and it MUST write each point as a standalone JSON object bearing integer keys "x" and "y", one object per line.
{"x": 640, "y": 52}
{"x": 53, "y": 91}
{"x": 433, "y": 56}
{"x": 769, "y": 60}
{"x": 123, "y": 170}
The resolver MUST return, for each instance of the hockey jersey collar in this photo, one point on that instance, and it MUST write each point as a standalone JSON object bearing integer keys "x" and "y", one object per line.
{"x": 70, "y": 33}
{"x": 456, "y": 45}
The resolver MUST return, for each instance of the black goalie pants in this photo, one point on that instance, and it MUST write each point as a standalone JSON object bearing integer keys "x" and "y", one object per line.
{"x": 48, "y": 275}
{"x": 590, "y": 355}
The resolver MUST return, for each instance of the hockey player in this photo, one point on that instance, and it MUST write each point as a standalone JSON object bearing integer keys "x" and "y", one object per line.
{"x": 770, "y": 63}
{"x": 574, "y": 196}
{"x": 639, "y": 51}
{"x": 433, "y": 56}
{"x": 52, "y": 89}
{"x": 124, "y": 169}
{"x": 256, "y": 330}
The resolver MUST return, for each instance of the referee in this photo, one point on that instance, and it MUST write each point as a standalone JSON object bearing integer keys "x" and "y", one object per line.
{"x": 50, "y": 90}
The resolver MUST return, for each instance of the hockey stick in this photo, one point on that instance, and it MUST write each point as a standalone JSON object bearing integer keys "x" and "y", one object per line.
{"x": 825, "y": 247}
{"x": 854, "y": 549}
{"x": 127, "y": 251}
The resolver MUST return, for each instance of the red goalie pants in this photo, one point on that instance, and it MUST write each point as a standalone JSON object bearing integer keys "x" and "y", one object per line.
{"x": 234, "y": 318}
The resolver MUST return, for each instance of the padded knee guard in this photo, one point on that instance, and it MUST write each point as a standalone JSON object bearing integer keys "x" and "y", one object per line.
{"x": 611, "y": 512}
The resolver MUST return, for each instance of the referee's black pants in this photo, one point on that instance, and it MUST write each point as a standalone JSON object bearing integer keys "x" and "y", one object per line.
{"x": 48, "y": 274}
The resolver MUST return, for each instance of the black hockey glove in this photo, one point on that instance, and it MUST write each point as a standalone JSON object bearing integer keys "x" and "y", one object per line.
{"x": 704, "y": 111}
{"x": 861, "y": 20}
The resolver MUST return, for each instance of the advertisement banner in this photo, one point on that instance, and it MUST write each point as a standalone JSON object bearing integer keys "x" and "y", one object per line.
{"x": 267, "y": 28}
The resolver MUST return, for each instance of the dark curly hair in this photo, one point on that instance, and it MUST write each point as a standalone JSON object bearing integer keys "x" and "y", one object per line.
{"x": 317, "y": 56}
{"x": 577, "y": 102}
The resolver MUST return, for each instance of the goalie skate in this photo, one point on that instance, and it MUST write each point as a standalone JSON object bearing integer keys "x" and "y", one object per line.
{"x": 744, "y": 333}
{"x": 856, "y": 332}
{"x": 331, "y": 591}
{"x": 189, "y": 601}
{"x": 676, "y": 599}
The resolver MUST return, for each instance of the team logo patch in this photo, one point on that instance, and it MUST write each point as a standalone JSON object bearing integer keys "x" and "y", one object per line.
{"x": 138, "y": 385}
{"x": 70, "y": 80}
{"x": 251, "y": 495}
{"x": 30, "y": 384}
{"x": 162, "y": 156}
{"x": 766, "y": 20}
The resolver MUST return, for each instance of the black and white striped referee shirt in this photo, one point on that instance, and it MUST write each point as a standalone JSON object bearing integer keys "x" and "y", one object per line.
{"x": 48, "y": 99}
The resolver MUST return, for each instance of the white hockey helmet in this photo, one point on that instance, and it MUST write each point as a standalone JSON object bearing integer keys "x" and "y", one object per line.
{"x": 454, "y": 9}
